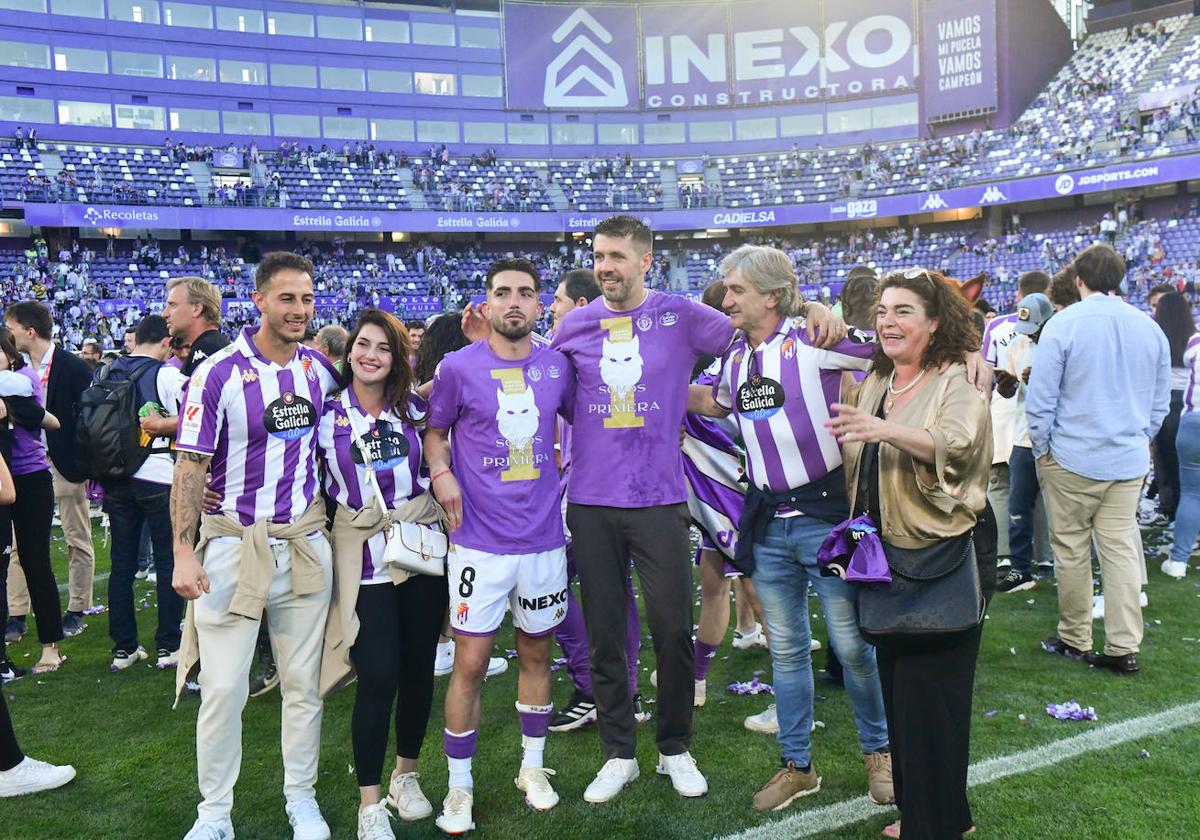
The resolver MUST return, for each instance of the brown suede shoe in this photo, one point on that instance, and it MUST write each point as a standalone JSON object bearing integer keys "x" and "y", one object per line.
{"x": 879, "y": 778}
{"x": 787, "y": 785}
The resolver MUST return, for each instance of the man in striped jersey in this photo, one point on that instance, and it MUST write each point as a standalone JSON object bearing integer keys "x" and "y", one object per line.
{"x": 250, "y": 415}
{"x": 779, "y": 387}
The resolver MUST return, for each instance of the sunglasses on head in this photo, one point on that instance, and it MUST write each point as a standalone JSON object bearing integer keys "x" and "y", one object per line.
{"x": 914, "y": 273}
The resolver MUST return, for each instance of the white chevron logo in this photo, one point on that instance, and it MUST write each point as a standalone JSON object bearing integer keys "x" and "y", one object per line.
{"x": 611, "y": 92}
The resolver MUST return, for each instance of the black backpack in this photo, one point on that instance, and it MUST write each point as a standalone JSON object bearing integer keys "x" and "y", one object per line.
{"x": 107, "y": 431}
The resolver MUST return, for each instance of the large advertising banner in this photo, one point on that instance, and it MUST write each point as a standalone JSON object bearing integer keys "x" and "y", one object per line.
{"x": 686, "y": 55}
{"x": 581, "y": 56}
{"x": 869, "y": 46}
{"x": 958, "y": 56}
{"x": 776, "y": 51}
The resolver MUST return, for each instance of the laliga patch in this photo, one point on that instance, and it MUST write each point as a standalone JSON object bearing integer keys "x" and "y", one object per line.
{"x": 388, "y": 447}
{"x": 192, "y": 415}
{"x": 290, "y": 417}
{"x": 759, "y": 398}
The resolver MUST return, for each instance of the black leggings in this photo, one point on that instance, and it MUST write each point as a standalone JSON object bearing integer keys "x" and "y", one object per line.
{"x": 32, "y": 514}
{"x": 393, "y": 655}
{"x": 5, "y": 556}
{"x": 10, "y": 752}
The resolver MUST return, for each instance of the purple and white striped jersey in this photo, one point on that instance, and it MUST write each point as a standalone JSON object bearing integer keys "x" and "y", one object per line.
{"x": 997, "y": 335}
{"x": 258, "y": 422}
{"x": 394, "y": 443}
{"x": 780, "y": 394}
{"x": 1191, "y": 361}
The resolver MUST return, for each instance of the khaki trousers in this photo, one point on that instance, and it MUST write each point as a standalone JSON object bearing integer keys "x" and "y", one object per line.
{"x": 74, "y": 513}
{"x": 1082, "y": 510}
{"x": 227, "y": 642}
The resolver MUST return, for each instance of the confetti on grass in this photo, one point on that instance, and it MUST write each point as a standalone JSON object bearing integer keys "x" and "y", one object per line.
{"x": 1071, "y": 710}
{"x": 755, "y": 686}
{"x": 96, "y": 610}
{"x": 990, "y": 714}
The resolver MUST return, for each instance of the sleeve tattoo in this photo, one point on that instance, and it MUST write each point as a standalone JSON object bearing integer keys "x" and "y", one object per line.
{"x": 187, "y": 496}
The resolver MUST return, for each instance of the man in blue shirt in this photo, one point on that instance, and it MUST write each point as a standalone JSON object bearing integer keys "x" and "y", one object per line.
{"x": 1099, "y": 389}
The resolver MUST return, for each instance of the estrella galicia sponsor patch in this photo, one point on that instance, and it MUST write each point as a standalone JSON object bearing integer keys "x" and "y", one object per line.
{"x": 759, "y": 398}
{"x": 388, "y": 447}
{"x": 290, "y": 417}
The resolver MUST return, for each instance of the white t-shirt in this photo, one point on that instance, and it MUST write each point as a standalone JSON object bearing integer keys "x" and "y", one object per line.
{"x": 1020, "y": 356}
{"x": 160, "y": 466}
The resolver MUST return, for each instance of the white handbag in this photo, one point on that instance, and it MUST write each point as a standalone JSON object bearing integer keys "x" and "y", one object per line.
{"x": 413, "y": 547}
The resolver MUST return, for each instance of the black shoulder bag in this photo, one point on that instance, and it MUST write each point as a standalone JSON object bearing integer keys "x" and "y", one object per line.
{"x": 935, "y": 591}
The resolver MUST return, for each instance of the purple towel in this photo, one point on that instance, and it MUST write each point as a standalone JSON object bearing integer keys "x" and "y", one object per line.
{"x": 854, "y": 552}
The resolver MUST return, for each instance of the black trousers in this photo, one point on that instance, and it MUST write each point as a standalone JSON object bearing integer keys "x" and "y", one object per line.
{"x": 1166, "y": 458}
{"x": 398, "y": 629}
{"x": 656, "y": 538}
{"x": 5, "y": 556}
{"x": 927, "y": 696}
{"x": 10, "y": 751}
{"x": 32, "y": 513}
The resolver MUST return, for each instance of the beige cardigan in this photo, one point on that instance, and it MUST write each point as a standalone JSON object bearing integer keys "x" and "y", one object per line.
{"x": 351, "y": 529}
{"x": 921, "y": 503}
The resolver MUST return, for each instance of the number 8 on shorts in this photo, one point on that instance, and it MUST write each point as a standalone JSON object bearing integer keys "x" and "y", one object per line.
{"x": 483, "y": 585}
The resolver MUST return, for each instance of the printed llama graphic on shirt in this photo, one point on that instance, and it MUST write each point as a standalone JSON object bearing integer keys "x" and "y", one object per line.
{"x": 621, "y": 371}
{"x": 517, "y": 418}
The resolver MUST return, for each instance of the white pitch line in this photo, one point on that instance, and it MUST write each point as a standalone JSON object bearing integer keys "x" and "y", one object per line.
{"x": 100, "y": 578}
{"x": 832, "y": 817}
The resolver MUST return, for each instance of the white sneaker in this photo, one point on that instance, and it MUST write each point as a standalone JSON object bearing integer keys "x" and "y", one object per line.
{"x": 124, "y": 659}
{"x": 685, "y": 775}
{"x": 1174, "y": 568}
{"x": 32, "y": 776}
{"x": 374, "y": 823}
{"x": 307, "y": 822}
{"x": 496, "y": 665}
{"x": 814, "y": 645}
{"x": 612, "y": 779}
{"x": 1143, "y": 601}
{"x": 1097, "y": 607}
{"x": 202, "y": 830}
{"x": 406, "y": 796}
{"x": 535, "y": 781}
{"x": 152, "y": 577}
{"x": 750, "y": 639}
{"x": 167, "y": 660}
{"x": 766, "y": 722}
{"x": 443, "y": 663}
{"x": 456, "y": 811}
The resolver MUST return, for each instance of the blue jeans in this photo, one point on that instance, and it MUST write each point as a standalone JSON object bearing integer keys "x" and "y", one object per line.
{"x": 131, "y": 503}
{"x": 1187, "y": 515}
{"x": 785, "y": 564}
{"x": 1023, "y": 491}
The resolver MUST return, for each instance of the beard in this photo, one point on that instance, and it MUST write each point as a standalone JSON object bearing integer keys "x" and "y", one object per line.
{"x": 513, "y": 332}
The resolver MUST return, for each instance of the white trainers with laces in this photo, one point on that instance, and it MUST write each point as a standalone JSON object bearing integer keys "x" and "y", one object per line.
{"x": 406, "y": 796}
{"x": 766, "y": 722}
{"x": 124, "y": 659}
{"x": 685, "y": 775}
{"x": 535, "y": 781}
{"x": 612, "y": 778}
{"x": 750, "y": 639}
{"x": 32, "y": 776}
{"x": 202, "y": 830}
{"x": 374, "y": 823}
{"x": 496, "y": 665}
{"x": 1174, "y": 568}
{"x": 456, "y": 811}
{"x": 307, "y": 822}
{"x": 443, "y": 663}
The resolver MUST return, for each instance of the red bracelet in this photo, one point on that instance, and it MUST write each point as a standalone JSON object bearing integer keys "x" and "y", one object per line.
{"x": 438, "y": 475}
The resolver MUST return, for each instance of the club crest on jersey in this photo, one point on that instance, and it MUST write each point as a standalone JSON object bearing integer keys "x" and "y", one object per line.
{"x": 308, "y": 371}
{"x": 788, "y": 349}
{"x": 534, "y": 374}
{"x": 290, "y": 417}
{"x": 644, "y": 322}
{"x": 460, "y": 614}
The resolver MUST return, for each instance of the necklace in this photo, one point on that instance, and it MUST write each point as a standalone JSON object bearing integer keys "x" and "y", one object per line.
{"x": 890, "y": 403}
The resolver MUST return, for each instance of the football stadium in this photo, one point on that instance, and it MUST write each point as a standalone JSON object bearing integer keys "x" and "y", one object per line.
{"x": 643, "y": 418}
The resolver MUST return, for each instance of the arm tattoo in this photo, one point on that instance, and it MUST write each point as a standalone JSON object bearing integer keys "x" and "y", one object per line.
{"x": 187, "y": 496}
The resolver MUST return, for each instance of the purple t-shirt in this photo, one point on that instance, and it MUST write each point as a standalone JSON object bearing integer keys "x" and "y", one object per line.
{"x": 28, "y": 449}
{"x": 502, "y": 416}
{"x": 632, "y": 373}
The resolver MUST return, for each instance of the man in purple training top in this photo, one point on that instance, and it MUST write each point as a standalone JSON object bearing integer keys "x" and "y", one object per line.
{"x": 250, "y": 414}
{"x": 579, "y": 288}
{"x": 497, "y": 479}
{"x": 633, "y": 351}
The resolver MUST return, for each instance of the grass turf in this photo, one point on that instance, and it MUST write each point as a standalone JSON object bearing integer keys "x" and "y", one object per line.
{"x": 136, "y": 757}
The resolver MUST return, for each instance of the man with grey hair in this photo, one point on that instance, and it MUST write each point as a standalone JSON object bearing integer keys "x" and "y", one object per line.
{"x": 331, "y": 342}
{"x": 778, "y": 385}
{"x": 193, "y": 313}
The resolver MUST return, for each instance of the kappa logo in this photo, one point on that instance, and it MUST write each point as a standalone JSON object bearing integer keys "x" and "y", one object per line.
{"x": 600, "y": 92}
{"x": 343, "y": 421}
{"x": 934, "y": 201}
{"x": 559, "y": 614}
{"x": 249, "y": 376}
{"x": 1064, "y": 185}
{"x": 993, "y": 195}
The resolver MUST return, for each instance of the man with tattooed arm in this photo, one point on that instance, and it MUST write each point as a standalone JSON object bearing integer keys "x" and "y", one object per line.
{"x": 250, "y": 417}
